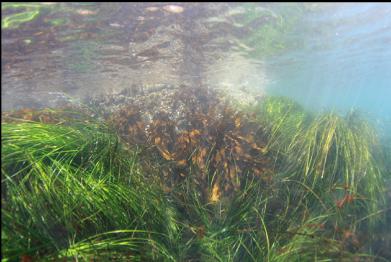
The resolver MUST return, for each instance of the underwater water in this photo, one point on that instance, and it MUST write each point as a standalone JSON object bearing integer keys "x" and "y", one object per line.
{"x": 323, "y": 55}
{"x": 196, "y": 131}
{"x": 342, "y": 62}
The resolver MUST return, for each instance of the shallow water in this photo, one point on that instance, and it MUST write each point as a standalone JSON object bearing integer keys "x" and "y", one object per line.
{"x": 344, "y": 61}
{"x": 325, "y": 56}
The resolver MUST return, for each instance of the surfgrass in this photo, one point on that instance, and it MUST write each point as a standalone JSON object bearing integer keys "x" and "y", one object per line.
{"x": 272, "y": 224}
{"x": 63, "y": 186}
{"x": 336, "y": 156}
{"x": 74, "y": 190}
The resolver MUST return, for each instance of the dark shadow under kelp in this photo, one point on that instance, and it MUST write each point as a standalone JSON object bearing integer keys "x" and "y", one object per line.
{"x": 203, "y": 182}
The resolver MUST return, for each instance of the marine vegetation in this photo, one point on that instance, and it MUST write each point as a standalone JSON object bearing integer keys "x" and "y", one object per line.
{"x": 208, "y": 138}
{"x": 206, "y": 182}
{"x": 267, "y": 28}
{"x": 334, "y": 156}
{"x": 22, "y": 13}
{"x": 18, "y": 14}
{"x": 71, "y": 190}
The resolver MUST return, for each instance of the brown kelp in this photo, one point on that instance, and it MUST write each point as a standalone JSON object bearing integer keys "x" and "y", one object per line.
{"x": 212, "y": 138}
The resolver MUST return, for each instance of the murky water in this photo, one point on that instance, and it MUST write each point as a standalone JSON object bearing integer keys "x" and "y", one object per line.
{"x": 325, "y": 56}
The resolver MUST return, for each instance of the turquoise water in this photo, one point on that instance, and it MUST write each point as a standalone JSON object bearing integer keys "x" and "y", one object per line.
{"x": 343, "y": 63}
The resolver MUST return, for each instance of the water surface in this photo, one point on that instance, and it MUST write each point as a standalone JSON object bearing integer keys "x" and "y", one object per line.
{"x": 323, "y": 55}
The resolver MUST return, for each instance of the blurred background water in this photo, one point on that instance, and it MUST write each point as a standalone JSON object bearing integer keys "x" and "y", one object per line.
{"x": 323, "y": 55}
{"x": 344, "y": 62}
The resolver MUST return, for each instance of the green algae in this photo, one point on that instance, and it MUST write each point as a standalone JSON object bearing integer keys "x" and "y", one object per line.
{"x": 15, "y": 20}
{"x": 18, "y": 14}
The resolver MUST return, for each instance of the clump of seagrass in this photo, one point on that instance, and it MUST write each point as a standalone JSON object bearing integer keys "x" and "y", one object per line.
{"x": 71, "y": 190}
{"x": 335, "y": 157}
{"x": 223, "y": 146}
